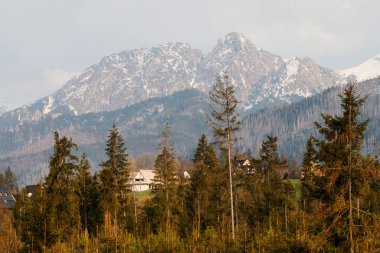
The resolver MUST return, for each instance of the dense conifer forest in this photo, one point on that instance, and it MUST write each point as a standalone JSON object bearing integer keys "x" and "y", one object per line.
{"x": 330, "y": 204}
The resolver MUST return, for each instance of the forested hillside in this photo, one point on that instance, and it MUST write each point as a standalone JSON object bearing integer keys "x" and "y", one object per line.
{"x": 294, "y": 123}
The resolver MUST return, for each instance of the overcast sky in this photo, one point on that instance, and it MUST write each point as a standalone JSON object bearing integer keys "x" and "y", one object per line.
{"x": 43, "y": 43}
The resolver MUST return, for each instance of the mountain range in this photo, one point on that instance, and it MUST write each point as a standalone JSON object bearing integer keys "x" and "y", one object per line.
{"x": 128, "y": 77}
{"x": 139, "y": 89}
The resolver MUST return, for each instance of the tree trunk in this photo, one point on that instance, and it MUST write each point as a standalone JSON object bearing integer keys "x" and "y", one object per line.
{"x": 231, "y": 191}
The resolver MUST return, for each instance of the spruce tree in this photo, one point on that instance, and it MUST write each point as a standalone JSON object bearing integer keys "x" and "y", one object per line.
{"x": 310, "y": 156}
{"x": 84, "y": 181}
{"x": 206, "y": 188}
{"x": 274, "y": 190}
{"x": 165, "y": 182}
{"x": 344, "y": 171}
{"x": 37, "y": 229}
{"x": 94, "y": 214}
{"x": 225, "y": 123}
{"x": 114, "y": 177}
{"x": 60, "y": 186}
{"x": 269, "y": 158}
{"x": 310, "y": 176}
{"x": 197, "y": 195}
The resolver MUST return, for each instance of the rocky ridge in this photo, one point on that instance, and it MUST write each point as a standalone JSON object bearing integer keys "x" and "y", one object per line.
{"x": 123, "y": 79}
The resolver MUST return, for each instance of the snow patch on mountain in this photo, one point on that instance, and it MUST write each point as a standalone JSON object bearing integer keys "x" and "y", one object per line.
{"x": 367, "y": 70}
{"x": 49, "y": 105}
{"x": 292, "y": 67}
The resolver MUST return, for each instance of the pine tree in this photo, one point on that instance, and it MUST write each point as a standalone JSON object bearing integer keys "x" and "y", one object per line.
{"x": 60, "y": 186}
{"x": 37, "y": 229}
{"x": 344, "y": 171}
{"x": 274, "y": 190}
{"x": 225, "y": 122}
{"x": 310, "y": 156}
{"x": 107, "y": 189}
{"x": 94, "y": 215}
{"x": 205, "y": 191}
{"x": 114, "y": 177}
{"x": 198, "y": 190}
{"x": 84, "y": 181}
{"x": 309, "y": 172}
{"x": 165, "y": 181}
{"x": 269, "y": 158}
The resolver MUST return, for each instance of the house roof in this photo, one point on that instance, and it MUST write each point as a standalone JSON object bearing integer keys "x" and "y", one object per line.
{"x": 243, "y": 162}
{"x": 31, "y": 188}
{"x": 7, "y": 200}
{"x": 146, "y": 176}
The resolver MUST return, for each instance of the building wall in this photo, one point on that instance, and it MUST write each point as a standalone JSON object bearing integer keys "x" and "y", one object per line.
{"x": 140, "y": 187}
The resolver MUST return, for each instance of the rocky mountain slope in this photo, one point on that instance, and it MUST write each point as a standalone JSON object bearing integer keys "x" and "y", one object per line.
{"x": 123, "y": 79}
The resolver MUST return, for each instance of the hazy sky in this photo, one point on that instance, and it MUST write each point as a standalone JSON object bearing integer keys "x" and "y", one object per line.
{"x": 43, "y": 42}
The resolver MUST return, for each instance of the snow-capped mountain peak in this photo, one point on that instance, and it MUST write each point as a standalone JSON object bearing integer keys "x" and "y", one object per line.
{"x": 126, "y": 78}
{"x": 367, "y": 70}
{"x": 292, "y": 80}
{"x": 235, "y": 41}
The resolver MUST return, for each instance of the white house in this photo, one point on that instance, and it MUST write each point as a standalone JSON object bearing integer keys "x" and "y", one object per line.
{"x": 141, "y": 180}
{"x": 186, "y": 175}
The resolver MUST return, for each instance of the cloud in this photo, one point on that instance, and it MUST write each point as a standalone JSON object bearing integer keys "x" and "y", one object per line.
{"x": 56, "y": 78}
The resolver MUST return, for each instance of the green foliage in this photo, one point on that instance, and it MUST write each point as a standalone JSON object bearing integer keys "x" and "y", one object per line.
{"x": 60, "y": 187}
{"x": 311, "y": 181}
{"x": 206, "y": 197}
{"x": 95, "y": 214}
{"x": 114, "y": 177}
{"x": 83, "y": 187}
{"x": 265, "y": 199}
{"x": 297, "y": 186}
{"x": 336, "y": 173}
{"x": 34, "y": 222}
{"x": 143, "y": 196}
{"x": 165, "y": 183}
